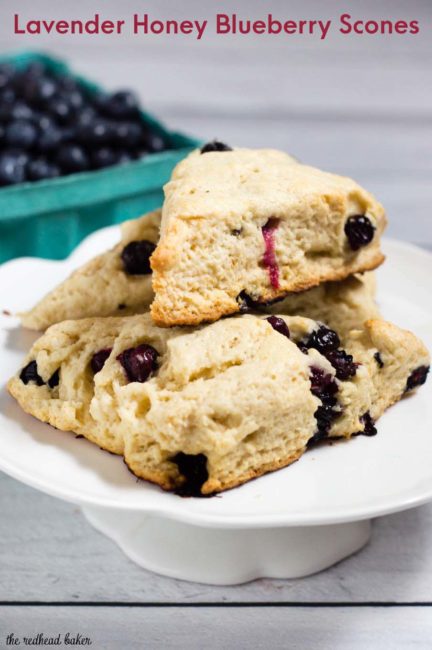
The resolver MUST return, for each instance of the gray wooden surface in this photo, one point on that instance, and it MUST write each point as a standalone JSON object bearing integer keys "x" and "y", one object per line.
{"x": 360, "y": 106}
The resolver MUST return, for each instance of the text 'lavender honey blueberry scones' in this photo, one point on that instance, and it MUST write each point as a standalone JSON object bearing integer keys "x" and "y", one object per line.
{"x": 117, "y": 282}
{"x": 242, "y": 227}
{"x": 203, "y": 410}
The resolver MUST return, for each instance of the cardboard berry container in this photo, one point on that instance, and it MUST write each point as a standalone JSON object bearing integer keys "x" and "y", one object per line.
{"x": 49, "y": 218}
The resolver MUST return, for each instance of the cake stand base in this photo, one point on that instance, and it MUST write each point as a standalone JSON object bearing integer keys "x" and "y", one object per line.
{"x": 223, "y": 556}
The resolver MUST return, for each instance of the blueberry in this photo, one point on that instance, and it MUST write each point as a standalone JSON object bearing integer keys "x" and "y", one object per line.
{"x": 12, "y": 168}
{"x": 323, "y": 339}
{"x": 7, "y": 73}
{"x": 359, "y": 231}
{"x": 97, "y": 132}
{"x": 21, "y": 134}
{"x": 30, "y": 374}
{"x": 40, "y": 169}
{"x": 104, "y": 157}
{"x": 7, "y": 96}
{"x": 67, "y": 83}
{"x": 139, "y": 363}
{"x": 43, "y": 121}
{"x": 74, "y": 98}
{"x": 122, "y": 104}
{"x": 323, "y": 384}
{"x": 22, "y": 111}
{"x": 193, "y": 467}
{"x": 35, "y": 69}
{"x": 325, "y": 388}
{"x": 50, "y": 139}
{"x": 154, "y": 143}
{"x": 343, "y": 363}
{"x": 246, "y": 302}
{"x": 279, "y": 325}
{"x": 136, "y": 257}
{"x": 38, "y": 90}
{"x": 60, "y": 109}
{"x": 72, "y": 158}
{"x": 86, "y": 116}
{"x": 123, "y": 157}
{"x": 215, "y": 145}
{"x": 140, "y": 153}
{"x": 379, "y": 360}
{"x": 98, "y": 359}
{"x": 128, "y": 134}
{"x": 53, "y": 381}
{"x": 369, "y": 428}
{"x": 417, "y": 377}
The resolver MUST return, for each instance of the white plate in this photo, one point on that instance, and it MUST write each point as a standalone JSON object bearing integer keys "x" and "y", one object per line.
{"x": 348, "y": 481}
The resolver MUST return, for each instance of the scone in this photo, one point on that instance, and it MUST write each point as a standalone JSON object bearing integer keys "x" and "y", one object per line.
{"x": 117, "y": 282}
{"x": 342, "y": 306}
{"x": 203, "y": 410}
{"x": 103, "y": 287}
{"x": 244, "y": 227}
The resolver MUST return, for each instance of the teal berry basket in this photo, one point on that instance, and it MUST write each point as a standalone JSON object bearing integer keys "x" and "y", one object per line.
{"x": 49, "y": 218}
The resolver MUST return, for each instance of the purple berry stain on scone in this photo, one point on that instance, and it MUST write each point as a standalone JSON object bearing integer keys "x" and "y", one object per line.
{"x": 215, "y": 145}
{"x": 269, "y": 258}
{"x": 98, "y": 359}
{"x": 359, "y": 231}
{"x": 136, "y": 257}
{"x": 325, "y": 388}
{"x": 139, "y": 363}
{"x": 193, "y": 467}
{"x": 279, "y": 325}
{"x": 417, "y": 378}
{"x": 29, "y": 374}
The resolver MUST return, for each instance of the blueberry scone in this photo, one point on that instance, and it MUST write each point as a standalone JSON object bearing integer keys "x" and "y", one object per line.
{"x": 244, "y": 226}
{"x": 203, "y": 410}
{"x": 343, "y": 306}
{"x": 117, "y": 282}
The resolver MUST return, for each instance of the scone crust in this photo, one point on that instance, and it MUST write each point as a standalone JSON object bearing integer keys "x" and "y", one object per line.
{"x": 212, "y": 247}
{"x": 100, "y": 287}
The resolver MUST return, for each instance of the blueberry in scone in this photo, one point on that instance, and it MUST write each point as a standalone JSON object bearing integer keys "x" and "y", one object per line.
{"x": 116, "y": 281}
{"x": 246, "y": 227}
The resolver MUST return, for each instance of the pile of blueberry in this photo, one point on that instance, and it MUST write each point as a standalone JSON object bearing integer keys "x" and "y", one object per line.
{"x": 50, "y": 125}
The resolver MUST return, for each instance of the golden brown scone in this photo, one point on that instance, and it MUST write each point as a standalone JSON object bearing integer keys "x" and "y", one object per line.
{"x": 103, "y": 286}
{"x": 203, "y": 410}
{"x": 249, "y": 226}
{"x": 343, "y": 306}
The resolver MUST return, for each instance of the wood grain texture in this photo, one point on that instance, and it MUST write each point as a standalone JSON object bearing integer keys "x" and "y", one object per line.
{"x": 50, "y": 553}
{"x": 273, "y": 627}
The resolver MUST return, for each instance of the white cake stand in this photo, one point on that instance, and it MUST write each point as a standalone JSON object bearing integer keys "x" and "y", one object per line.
{"x": 288, "y": 524}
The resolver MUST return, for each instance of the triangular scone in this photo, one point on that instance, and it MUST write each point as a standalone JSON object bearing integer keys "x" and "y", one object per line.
{"x": 343, "y": 306}
{"x": 102, "y": 288}
{"x": 105, "y": 286}
{"x": 203, "y": 410}
{"x": 248, "y": 226}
